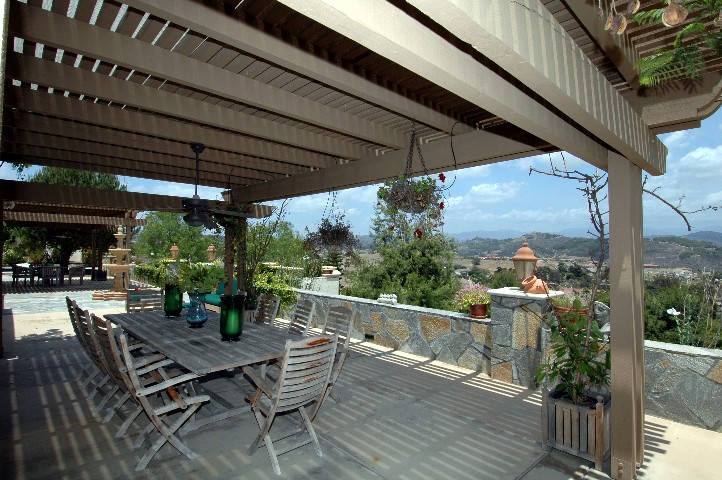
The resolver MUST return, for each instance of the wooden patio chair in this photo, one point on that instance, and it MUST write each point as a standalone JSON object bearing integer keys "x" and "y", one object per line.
{"x": 160, "y": 399}
{"x": 105, "y": 339}
{"x": 20, "y": 272}
{"x": 106, "y": 386}
{"x": 267, "y": 309}
{"x": 143, "y": 299}
{"x": 76, "y": 271}
{"x": 89, "y": 368}
{"x": 305, "y": 372}
{"x": 301, "y": 318}
{"x": 92, "y": 369}
{"x": 338, "y": 322}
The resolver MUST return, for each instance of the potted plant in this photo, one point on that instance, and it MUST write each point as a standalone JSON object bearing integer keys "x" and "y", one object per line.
{"x": 574, "y": 416}
{"x": 473, "y": 298}
{"x": 198, "y": 279}
{"x": 164, "y": 274}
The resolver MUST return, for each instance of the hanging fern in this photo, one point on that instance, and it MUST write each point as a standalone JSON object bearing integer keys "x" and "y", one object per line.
{"x": 681, "y": 60}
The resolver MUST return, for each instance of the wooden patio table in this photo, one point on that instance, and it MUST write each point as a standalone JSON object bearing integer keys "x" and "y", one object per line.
{"x": 201, "y": 350}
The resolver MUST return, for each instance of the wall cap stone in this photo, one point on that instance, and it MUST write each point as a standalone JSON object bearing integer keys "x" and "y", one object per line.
{"x": 516, "y": 292}
{"x": 684, "y": 349}
{"x": 399, "y": 306}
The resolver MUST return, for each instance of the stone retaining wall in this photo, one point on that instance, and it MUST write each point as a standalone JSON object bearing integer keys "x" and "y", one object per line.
{"x": 450, "y": 337}
{"x": 683, "y": 384}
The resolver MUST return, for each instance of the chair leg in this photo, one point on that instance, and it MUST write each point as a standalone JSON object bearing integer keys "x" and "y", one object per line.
{"x": 311, "y": 431}
{"x": 128, "y": 422}
{"x": 114, "y": 408}
{"x": 167, "y": 435}
{"x": 265, "y": 424}
{"x": 98, "y": 386}
{"x": 105, "y": 399}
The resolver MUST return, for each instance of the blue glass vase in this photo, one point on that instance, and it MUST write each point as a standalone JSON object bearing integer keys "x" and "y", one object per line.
{"x": 197, "y": 314}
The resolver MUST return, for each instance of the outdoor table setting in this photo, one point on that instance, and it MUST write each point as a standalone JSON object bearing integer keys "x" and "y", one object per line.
{"x": 202, "y": 352}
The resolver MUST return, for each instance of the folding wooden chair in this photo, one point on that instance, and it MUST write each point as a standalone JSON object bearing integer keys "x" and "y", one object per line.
{"x": 267, "y": 309}
{"x": 301, "y": 318}
{"x": 89, "y": 368}
{"x": 95, "y": 370}
{"x": 143, "y": 299}
{"x": 305, "y": 372}
{"x": 159, "y": 400}
{"x": 338, "y": 322}
{"x": 104, "y": 336}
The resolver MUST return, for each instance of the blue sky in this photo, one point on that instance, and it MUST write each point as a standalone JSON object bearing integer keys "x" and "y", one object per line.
{"x": 503, "y": 197}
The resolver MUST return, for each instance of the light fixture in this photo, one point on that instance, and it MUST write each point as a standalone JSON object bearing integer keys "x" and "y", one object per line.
{"x": 195, "y": 218}
{"x": 524, "y": 262}
{"x": 174, "y": 251}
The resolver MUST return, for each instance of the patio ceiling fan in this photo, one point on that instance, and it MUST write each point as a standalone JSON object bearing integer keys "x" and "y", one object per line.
{"x": 199, "y": 209}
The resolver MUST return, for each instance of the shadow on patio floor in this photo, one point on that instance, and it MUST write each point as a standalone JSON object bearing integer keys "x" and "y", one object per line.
{"x": 398, "y": 417}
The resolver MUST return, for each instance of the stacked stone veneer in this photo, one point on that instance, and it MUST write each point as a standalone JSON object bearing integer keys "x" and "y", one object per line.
{"x": 682, "y": 383}
{"x": 450, "y": 337}
{"x": 518, "y": 346}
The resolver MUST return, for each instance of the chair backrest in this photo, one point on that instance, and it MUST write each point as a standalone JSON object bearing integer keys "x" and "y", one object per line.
{"x": 143, "y": 299}
{"x": 339, "y": 322}
{"x": 305, "y": 372}
{"x": 73, "y": 317}
{"x": 267, "y": 308}
{"x": 91, "y": 345}
{"x": 102, "y": 332}
{"x": 301, "y": 318}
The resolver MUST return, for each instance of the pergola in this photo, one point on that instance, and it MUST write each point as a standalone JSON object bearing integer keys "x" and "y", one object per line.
{"x": 294, "y": 97}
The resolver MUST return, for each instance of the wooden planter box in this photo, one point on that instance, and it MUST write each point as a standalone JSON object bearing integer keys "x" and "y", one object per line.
{"x": 576, "y": 429}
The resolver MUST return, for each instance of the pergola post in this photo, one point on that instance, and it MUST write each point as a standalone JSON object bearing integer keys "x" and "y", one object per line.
{"x": 627, "y": 322}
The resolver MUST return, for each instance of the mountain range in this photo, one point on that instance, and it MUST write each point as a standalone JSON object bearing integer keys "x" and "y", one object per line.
{"x": 698, "y": 251}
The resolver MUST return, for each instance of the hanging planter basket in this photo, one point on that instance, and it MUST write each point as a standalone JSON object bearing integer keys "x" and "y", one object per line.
{"x": 411, "y": 196}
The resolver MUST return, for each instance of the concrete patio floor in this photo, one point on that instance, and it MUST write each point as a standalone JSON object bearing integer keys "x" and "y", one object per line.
{"x": 398, "y": 417}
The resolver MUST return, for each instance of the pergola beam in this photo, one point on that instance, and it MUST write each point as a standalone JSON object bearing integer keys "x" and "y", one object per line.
{"x": 524, "y": 39}
{"x": 218, "y": 26}
{"x": 62, "y": 218}
{"x": 62, "y": 32}
{"x": 471, "y": 149}
{"x": 156, "y": 126}
{"x": 374, "y": 24}
{"x": 179, "y": 163}
{"x": 69, "y": 78}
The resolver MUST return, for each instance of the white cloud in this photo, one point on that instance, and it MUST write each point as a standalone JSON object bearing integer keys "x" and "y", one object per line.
{"x": 471, "y": 172}
{"x": 676, "y": 139}
{"x": 493, "y": 192}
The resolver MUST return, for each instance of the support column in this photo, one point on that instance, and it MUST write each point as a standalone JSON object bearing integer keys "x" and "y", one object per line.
{"x": 627, "y": 323}
{"x": 2, "y": 285}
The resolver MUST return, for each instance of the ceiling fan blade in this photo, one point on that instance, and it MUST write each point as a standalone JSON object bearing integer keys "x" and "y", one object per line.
{"x": 228, "y": 213}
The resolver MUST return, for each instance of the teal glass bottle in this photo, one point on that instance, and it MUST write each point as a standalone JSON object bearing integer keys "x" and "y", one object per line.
{"x": 172, "y": 301}
{"x": 232, "y": 316}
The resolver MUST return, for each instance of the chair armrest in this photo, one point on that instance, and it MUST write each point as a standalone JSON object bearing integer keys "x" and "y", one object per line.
{"x": 155, "y": 366}
{"x": 144, "y": 392}
{"x": 260, "y": 382}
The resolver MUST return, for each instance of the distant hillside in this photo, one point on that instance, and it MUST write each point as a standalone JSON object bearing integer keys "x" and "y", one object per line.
{"x": 665, "y": 251}
{"x": 714, "y": 237}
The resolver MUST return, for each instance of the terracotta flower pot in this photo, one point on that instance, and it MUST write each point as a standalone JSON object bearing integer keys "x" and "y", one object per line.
{"x": 478, "y": 310}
